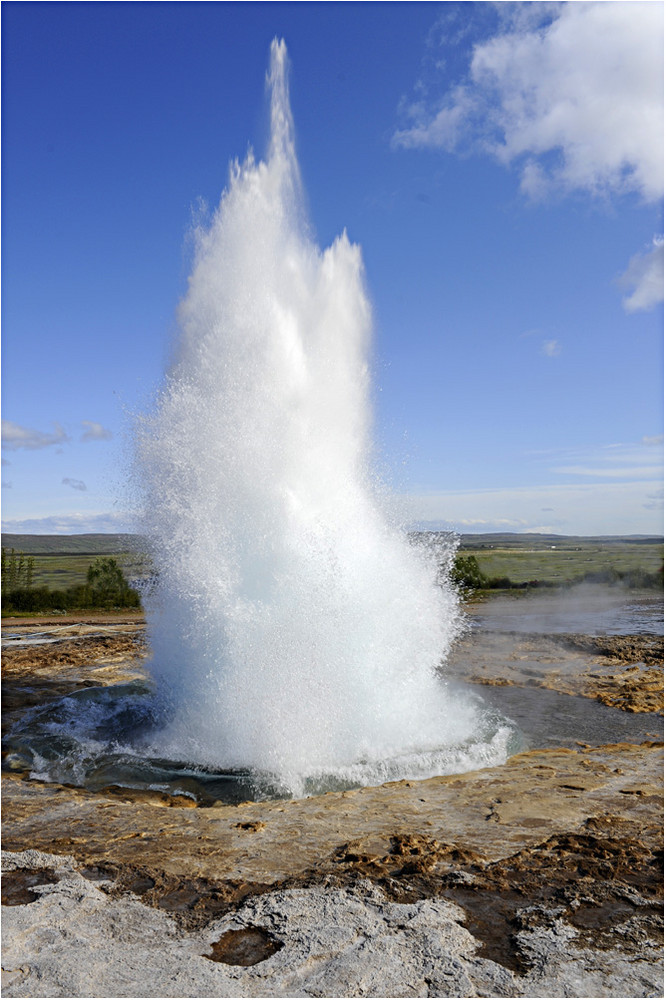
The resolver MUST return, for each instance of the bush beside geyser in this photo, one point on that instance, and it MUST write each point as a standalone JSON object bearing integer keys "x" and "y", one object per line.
{"x": 295, "y": 630}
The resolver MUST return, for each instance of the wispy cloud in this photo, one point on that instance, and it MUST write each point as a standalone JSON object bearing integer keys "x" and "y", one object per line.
{"x": 14, "y": 437}
{"x": 614, "y": 489}
{"x": 95, "y": 432}
{"x": 76, "y": 484}
{"x": 608, "y": 508}
{"x": 637, "y": 461}
{"x": 551, "y": 348}
{"x": 654, "y": 501}
{"x": 607, "y": 472}
{"x": 645, "y": 275}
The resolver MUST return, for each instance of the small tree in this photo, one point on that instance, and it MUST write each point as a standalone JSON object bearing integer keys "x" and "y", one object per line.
{"x": 107, "y": 584}
{"x": 17, "y": 571}
{"x": 467, "y": 573}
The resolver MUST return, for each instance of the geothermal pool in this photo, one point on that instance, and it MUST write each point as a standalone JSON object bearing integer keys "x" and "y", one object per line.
{"x": 101, "y": 736}
{"x": 98, "y": 737}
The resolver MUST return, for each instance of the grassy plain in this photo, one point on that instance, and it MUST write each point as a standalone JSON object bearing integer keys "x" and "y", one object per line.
{"x": 561, "y": 564}
{"x": 92, "y": 545}
{"x": 62, "y": 560}
{"x": 59, "y": 571}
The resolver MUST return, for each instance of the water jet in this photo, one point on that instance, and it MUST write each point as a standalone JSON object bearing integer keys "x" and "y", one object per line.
{"x": 295, "y": 630}
{"x": 297, "y": 636}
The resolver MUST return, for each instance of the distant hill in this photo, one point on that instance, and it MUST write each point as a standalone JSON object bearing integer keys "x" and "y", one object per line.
{"x": 83, "y": 545}
{"x": 103, "y": 544}
{"x": 512, "y": 540}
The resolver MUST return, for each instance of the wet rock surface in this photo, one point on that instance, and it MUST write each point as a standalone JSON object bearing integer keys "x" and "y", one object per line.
{"x": 461, "y": 886}
{"x": 539, "y": 878}
{"x": 624, "y": 672}
{"x": 69, "y": 659}
{"x": 248, "y": 946}
{"x": 648, "y": 649}
{"x": 18, "y": 885}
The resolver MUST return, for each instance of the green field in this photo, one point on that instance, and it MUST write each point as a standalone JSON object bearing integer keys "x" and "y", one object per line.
{"x": 515, "y": 560}
{"x": 62, "y": 560}
{"x": 561, "y": 564}
{"x": 87, "y": 545}
{"x": 60, "y": 571}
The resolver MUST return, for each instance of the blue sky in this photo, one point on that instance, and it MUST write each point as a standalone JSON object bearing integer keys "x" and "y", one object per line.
{"x": 500, "y": 166}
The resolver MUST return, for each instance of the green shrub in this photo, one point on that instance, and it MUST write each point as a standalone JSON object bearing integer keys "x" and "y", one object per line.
{"x": 466, "y": 573}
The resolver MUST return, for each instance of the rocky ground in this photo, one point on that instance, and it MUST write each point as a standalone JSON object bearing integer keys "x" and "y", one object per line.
{"x": 539, "y": 878}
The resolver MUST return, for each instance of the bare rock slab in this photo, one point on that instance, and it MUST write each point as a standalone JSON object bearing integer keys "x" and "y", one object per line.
{"x": 77, "y": 940}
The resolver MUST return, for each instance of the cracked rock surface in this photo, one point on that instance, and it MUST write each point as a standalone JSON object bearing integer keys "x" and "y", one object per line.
{"x": 76, "y": 939}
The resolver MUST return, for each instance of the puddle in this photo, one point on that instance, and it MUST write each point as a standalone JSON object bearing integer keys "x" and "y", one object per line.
{"x": 588, "y": 610}
{"x": 548, "y": 719}
{"x": 17, "y": 886}
{"x": 245, "y": 947}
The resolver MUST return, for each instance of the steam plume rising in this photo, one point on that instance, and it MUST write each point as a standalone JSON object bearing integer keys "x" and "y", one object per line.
{"x": 294, "y": 630}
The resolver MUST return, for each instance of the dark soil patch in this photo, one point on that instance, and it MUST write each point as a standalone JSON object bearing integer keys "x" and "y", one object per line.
{"x": 194, "y": 902}
{"x": 597, "y": 884}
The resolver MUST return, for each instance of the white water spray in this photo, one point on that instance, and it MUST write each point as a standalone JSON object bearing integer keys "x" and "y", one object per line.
{"x": 294, "y": 630}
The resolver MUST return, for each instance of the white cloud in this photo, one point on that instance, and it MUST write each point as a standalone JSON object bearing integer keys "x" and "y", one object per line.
{"x": 645, "y": 274}
{"x": 576, "y": 102}
{"x": 14, "y": 436}
{"x": 551, "y": 348}
{"x": 71, "y": 524}
{"x": 654, "y": 501}
{"x": 610, "y": 472}
{"x": 95, "y": 432}
{"x": 445, "y": 129}
{"x": 624, "y": 508}
{"x": 76, "y": 484}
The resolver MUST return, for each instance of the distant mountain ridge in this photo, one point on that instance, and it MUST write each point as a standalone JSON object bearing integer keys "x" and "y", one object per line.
{"x": 113, "y": 544}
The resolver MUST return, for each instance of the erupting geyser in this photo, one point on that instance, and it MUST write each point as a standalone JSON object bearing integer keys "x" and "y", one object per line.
{"x": 295, "y": 631}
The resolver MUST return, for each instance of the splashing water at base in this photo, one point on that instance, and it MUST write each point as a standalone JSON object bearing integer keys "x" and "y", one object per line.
{"x": 295, "y": 631}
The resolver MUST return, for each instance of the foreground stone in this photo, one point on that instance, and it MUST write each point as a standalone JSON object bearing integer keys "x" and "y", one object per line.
{"x": 77, "y": 940}
{"x": 540, "y": 878}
